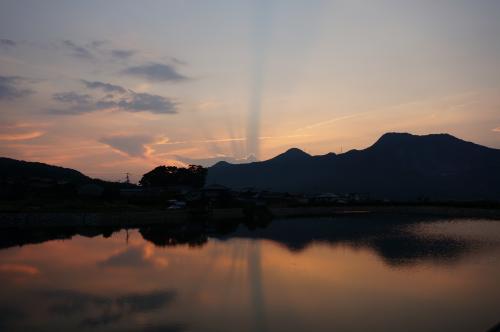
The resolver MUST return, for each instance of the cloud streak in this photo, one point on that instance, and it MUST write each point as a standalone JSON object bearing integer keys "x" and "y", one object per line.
{"x": 7, "y": 43}
{"x": 10, "y": 88}
{"x": 136, "y": 257}
{"x": 330, "y": 121}
{"x": 72, "y": 98}
{"x": 21, "y": 136}
{"x": 98, "y": 311}
{"x": 96, "y": 51}
{"x": 146, "y": 102}
{"x": 79, "y": 51}
{"x": 122, "y": 54}
{"x": 117, "y": 98}
{"x": 106, "y": 87}
{"x": 19, "y": 269}
{"x": 131, "y": 145}
{"x": 155, "y": 72}
{"x": 233, "y": 139}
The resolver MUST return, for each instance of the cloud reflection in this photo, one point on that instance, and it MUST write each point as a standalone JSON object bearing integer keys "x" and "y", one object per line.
{"x": 99, "y": 310}
{"x": 135, "y": 257}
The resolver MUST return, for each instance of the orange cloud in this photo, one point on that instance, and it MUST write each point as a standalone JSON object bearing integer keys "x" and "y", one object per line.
{"x": 21, "y": 137}
{"x": 19, "y": 269}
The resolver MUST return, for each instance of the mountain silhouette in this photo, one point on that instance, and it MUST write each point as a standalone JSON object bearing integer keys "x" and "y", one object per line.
{"x": 290, "y": 155}
{"x": 398, "y": 166}
{"x": 21, "y": 170}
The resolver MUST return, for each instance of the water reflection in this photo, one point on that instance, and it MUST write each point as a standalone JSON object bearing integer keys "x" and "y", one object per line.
{"x": 96, "y": 310}
{"x": 392, "y": 238}
{"x": 61, "y": 309}
{"x": 377, "y": 273}
{"x": 495, "y": 328}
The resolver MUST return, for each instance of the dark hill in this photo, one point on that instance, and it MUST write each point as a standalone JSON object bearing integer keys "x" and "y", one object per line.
{"x": 17, "y": 170}
{"x": 291, "y": 155}
{"x": 398, "y": 166}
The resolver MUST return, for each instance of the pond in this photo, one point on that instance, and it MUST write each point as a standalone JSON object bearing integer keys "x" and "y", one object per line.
{"x": 358, "y": 273}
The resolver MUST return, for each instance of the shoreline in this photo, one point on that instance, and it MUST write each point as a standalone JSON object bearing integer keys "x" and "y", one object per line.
{"x": 125, "y": 219}
{"x": 416, "y": 210}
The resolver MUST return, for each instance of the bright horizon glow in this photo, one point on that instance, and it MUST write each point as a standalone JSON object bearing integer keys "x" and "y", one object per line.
{"x": 117, "y": 86}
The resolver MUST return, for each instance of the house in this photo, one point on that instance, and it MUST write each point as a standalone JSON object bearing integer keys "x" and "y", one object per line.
{"x": 216, "y": 191}
{"x": 328, "y": 198}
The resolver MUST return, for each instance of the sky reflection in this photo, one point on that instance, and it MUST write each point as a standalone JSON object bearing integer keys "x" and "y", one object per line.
{"x": 257, "y": 281}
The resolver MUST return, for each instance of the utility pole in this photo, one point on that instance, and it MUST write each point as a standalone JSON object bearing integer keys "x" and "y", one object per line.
{"x": 127, "y": 178}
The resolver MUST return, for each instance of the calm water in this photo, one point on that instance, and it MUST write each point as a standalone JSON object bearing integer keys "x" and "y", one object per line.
{"x": 347, "y": 274}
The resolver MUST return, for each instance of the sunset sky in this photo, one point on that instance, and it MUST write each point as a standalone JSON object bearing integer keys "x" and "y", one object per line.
{"x": 109, "y": 87}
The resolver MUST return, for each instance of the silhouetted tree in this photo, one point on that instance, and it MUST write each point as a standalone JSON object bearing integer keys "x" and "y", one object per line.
{"x": 167, "y": 176}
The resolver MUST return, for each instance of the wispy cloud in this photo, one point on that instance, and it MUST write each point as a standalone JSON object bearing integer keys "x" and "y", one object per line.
{"x": 107, "y": 87}
{"x": 72, "y": 97}
{"x": 156, "y": 72}
{"x": 19, "y": 269}
{"x": 137, "y": 102}
{"x": 77, "y": 103}
{"x": 10, "y": 88}
{"x": 497, "y": 129}
{"x": 135, "y": 256}
{"x": 7, "y": 43}
{"x": 118, "y": 98}
{"x": 100, "y": 311}
{"x": 132, "y": 145}
{"x": 122, "y": 54}
{"x": 330, "y": 121}
{"x": 17, "y": 125}
{"x": 233, "y": 139}
{"x": 78, "y": 51}
{"x": 178, "y": 61}
{"x": 21, "y": 136}
{"x": 97, "y": 50}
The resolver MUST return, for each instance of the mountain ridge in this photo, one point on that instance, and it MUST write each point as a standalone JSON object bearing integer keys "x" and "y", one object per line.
{"x": 17, "y": 169}
{"x": 399, "y": 166}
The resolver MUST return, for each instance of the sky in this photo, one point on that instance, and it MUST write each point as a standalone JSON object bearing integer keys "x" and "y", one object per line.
{"x": 109, "y": 87}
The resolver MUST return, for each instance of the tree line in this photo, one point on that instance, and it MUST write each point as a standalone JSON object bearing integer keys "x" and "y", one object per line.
{"x": 170, "y": 176}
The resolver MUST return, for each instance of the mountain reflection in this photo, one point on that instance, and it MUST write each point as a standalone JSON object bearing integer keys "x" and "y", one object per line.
{"x": 282, "y": 275}
{"x": 20, "y": 237}
{"x": 390, "y": 237}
